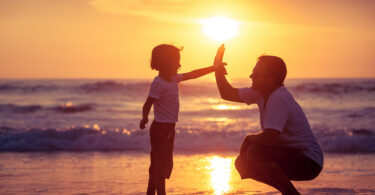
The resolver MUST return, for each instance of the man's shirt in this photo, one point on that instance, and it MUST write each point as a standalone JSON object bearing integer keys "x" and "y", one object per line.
{"x": 283, "y": 113}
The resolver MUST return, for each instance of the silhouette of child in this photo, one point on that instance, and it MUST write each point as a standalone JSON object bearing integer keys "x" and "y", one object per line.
{"x": 163, "y": 95}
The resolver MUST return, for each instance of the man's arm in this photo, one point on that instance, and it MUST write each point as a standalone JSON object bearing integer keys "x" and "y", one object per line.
{"x": 145, "y": 111}
{"x": 197, "y": 73}
{"x": 268, "y": 137}
{"x": 227, "y": 92}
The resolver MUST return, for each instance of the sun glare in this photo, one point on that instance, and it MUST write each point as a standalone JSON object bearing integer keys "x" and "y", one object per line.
{"x": 225, "y": 107}
{"x": 220, "y": 28}
{"x": 220, "y": 174}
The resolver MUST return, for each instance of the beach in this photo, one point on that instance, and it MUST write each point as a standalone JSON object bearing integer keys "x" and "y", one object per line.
{"x": 82, "y": 137}
{"x": 79, "y": 78}
{"x": 127, "y": 173}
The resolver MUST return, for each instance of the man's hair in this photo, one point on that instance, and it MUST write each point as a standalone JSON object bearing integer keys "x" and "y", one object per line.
{"x": 162, "y": 55}
{"x": 275, "y": 66}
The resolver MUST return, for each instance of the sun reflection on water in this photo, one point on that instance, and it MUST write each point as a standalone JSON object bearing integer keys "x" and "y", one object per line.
{"x": 220, "y": 171}
{"x": 219, "y": 119}
{"x": 225, "y": 107}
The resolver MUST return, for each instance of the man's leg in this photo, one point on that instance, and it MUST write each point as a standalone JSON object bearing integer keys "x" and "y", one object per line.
{"x": 271, "y": 174}
{"x": 252, "y": 172}
{"x": 267, "y": 172}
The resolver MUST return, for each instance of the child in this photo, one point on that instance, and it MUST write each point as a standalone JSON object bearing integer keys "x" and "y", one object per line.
{"x": 164, "y": 96}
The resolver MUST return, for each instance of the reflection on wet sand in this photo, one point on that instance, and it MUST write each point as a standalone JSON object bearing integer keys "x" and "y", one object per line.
{"x": 220, "y": 171}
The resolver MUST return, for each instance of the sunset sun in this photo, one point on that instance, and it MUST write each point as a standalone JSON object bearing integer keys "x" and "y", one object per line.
{"x": 220, "y": 28}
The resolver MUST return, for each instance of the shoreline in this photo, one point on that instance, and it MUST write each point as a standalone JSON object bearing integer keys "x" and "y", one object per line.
{"x": 127, "y": 173}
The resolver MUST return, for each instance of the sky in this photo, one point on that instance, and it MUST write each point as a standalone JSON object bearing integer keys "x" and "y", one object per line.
{"x": 114, "y": 38}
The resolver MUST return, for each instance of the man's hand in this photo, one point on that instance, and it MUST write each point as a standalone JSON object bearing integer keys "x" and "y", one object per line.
{"x": 221, "y": 69}
{"x": 143, "y": 123}
{"x": 245, "y": 144}
{"x": 218, "y": 62}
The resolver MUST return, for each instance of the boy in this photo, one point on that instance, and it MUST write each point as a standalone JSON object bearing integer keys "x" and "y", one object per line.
{"x": 164, "y": 96}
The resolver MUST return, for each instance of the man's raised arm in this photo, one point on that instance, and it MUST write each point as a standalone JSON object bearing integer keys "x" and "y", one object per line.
{"x": 227, "y": 92}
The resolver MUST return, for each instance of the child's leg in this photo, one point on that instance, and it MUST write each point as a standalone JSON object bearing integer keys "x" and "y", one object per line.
{"x": 151, "y": 186}
{"x": 162, "y": 139}
{"x": 160, "y": 185}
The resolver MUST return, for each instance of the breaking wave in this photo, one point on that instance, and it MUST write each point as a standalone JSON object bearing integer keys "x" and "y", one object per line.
{"x": 94, "y": 139}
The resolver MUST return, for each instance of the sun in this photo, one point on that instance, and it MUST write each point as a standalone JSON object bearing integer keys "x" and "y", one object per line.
{"x": 220, "y": 28}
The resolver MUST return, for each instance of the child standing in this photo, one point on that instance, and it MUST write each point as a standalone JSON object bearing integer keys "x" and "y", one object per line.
{"x": 163, "y": 95}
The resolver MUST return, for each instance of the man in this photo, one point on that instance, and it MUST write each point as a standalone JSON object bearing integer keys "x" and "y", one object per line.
{"x": 286, "y": 148}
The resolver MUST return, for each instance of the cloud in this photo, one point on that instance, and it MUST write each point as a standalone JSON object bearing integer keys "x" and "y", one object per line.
{"x": 160, "y": 10}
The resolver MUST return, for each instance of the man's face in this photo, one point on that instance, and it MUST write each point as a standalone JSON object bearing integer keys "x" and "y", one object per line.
{"x": 261, "y": 78}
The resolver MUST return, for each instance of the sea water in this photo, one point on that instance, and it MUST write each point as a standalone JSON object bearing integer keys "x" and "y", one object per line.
{"x": 65, "y": 122}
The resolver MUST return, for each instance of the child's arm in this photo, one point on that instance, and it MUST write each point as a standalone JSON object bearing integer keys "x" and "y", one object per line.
{"x": 145, "y": 111}
{"x": 197, "y": 73}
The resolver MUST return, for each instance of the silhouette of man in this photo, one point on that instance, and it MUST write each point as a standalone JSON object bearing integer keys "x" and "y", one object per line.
{"x": 286, "y": 148}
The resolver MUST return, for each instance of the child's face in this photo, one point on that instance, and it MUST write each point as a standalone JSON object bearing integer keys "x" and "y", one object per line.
{"x": 173, "y": 65}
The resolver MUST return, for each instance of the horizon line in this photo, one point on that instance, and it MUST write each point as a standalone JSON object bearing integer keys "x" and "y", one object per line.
{"x": 92, "y": 78}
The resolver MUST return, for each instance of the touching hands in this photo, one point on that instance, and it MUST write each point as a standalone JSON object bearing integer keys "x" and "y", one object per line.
{"x": 218, "y": 62}
{"x": 143, "y": 123}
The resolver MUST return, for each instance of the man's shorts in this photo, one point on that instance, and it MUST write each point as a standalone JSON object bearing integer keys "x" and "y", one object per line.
{"x": 294, "y": 163}
{"x": 162, "y": 142}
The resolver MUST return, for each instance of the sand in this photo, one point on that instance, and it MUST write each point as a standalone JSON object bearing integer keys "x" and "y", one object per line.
{"x": 127, "y": 173}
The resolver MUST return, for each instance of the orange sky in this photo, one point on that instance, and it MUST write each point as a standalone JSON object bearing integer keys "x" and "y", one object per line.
{"x": 114, "y": 38}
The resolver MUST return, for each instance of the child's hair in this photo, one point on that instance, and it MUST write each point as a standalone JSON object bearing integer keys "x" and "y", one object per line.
{"x": 162, "y": 55}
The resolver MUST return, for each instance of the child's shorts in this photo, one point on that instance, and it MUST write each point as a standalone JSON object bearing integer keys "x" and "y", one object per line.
{"x": 162, "y": 142}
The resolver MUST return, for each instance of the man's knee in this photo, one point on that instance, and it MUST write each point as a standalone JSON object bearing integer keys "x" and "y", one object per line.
{"x": 252, "y": 155}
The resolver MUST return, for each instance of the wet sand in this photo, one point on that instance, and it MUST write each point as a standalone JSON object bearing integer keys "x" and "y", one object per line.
{"x": 127, "y": 173}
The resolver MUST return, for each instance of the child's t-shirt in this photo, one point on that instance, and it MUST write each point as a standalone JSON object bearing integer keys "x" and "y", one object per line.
{"x": 167, "y": 103}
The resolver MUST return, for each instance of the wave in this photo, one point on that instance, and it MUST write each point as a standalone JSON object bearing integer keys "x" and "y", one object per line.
{"x": 28, "y": 88}
{"x": 361, "y": 113}
{"x": 99, "y": 86}
{"x": 237, "y": 113}
{"x": 336, "y": 87}
{"x": 77, "y": 139}
{"x": 63, "y": 108}
{"x": 113, "y": 86}
{"x": 94, "y": 139}
{"x": 196, "y": 89}
{"x": 71, "y": 108}
{"x": 105, "y": 86}
{"x": 19, "y": 109}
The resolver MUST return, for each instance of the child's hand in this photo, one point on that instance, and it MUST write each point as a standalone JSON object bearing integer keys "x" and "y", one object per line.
{"x": 143, "y": 123}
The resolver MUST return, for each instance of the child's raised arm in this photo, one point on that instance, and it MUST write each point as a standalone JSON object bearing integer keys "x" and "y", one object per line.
{"x": 197, "y": 73}
{"x": 145, "y": 111}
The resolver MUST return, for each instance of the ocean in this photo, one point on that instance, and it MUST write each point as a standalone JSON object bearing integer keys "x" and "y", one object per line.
{"x": 58, "y": 128}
